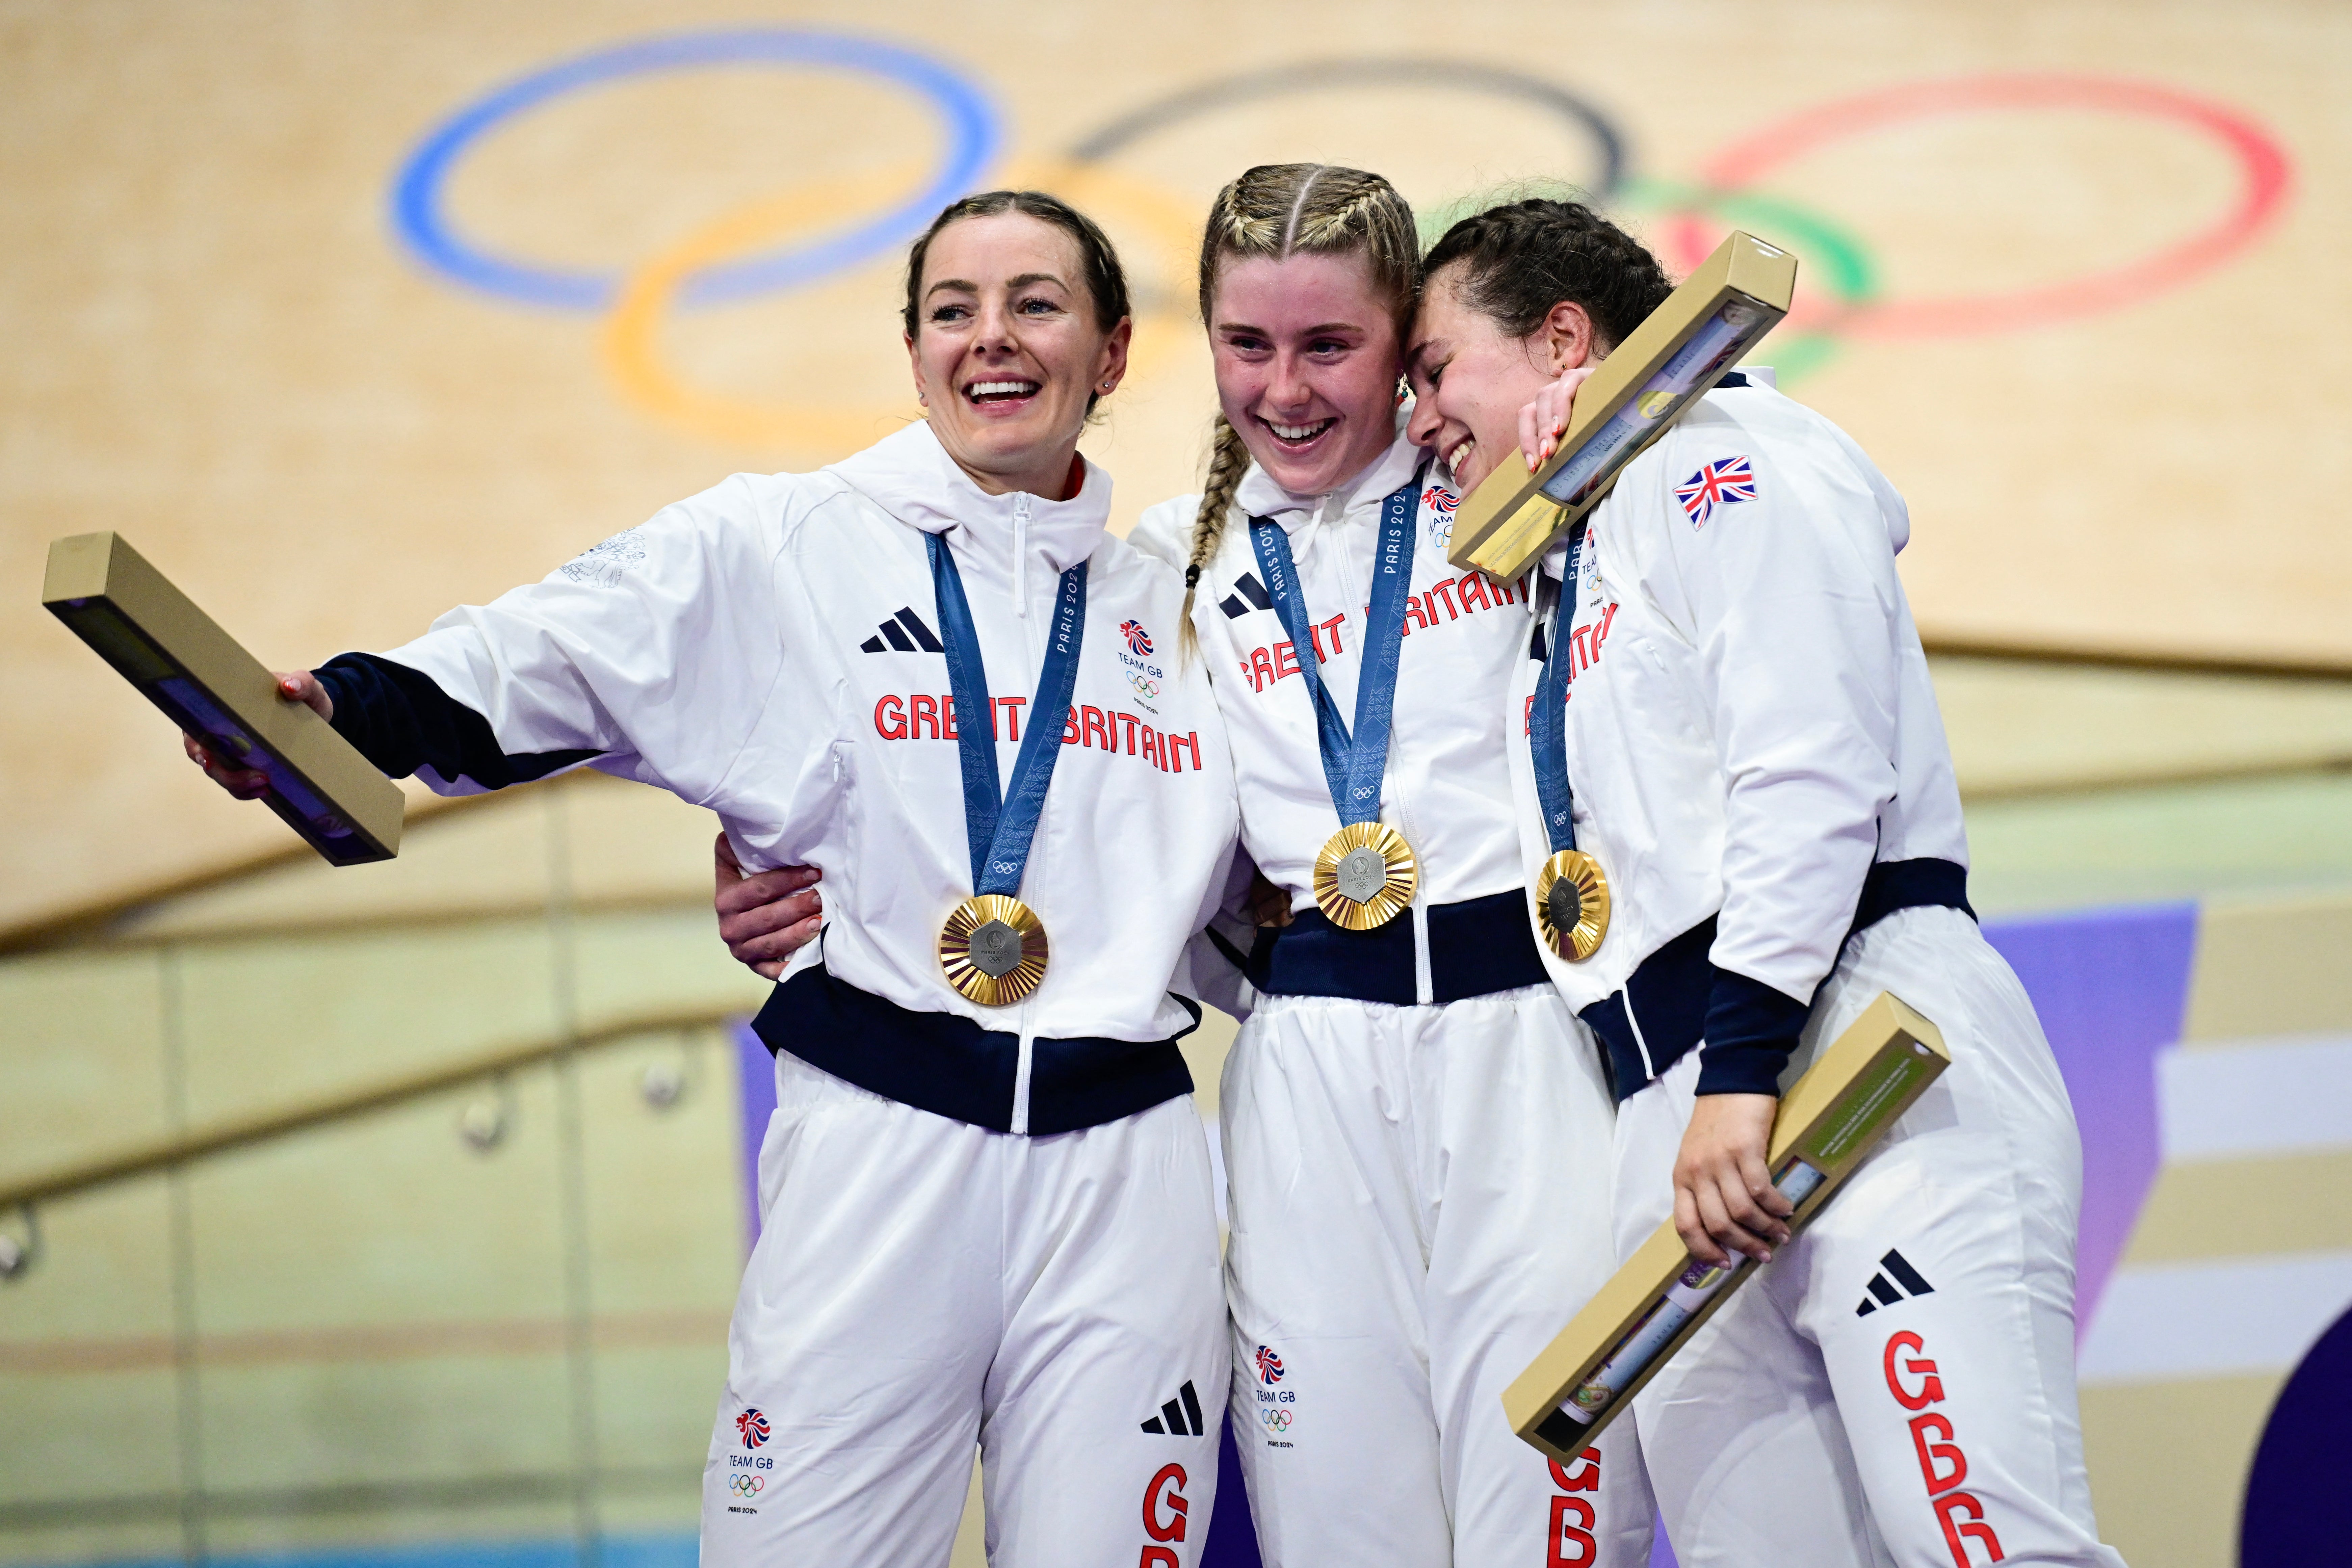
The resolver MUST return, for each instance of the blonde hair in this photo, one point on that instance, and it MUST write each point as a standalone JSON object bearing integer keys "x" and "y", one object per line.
{"x": 1277, "y": 210}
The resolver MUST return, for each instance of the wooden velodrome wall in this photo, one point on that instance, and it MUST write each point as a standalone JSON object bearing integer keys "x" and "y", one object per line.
{"x": 345, "y": 314}
{"x": 342, "y": 325}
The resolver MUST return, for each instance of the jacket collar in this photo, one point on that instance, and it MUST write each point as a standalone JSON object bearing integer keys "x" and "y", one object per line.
{"x": 910, "y": 476}
{"x": 1258, "y": 496}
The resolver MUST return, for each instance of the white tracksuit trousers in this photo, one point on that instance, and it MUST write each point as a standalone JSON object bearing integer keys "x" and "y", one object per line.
{"x": 920, "y": 1285}
{"x": 1897, "y": 1386}
{"x": 1418, "y": 1202}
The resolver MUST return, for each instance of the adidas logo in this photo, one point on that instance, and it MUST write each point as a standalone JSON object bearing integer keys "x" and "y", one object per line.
{"x": 1248, "y": 588}
{"x": 905, "y": 632}
{"x": 1171, "y": 1421}
{"x": 1907, "y": 1283}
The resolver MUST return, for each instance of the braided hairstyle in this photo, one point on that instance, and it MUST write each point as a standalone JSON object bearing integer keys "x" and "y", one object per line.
{"x": 1276, "y": 211}
{"x": 1519, "y": 259}
{"x": 1106, "y": 280}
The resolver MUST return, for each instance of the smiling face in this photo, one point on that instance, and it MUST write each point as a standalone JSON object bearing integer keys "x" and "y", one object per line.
{"x": 1307, "y": 358}
{"x": 1007, "y": 352}
{"x": 1470, "y": 379}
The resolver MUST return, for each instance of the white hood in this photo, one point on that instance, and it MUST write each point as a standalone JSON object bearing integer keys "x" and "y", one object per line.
{"x": 910, "y": 476}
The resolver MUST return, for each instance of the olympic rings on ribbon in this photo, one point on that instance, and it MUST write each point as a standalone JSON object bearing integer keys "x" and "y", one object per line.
{"x": 968, "y": 119}
{"x": 633, "y": 333}
{"x": 2261, "y": 164}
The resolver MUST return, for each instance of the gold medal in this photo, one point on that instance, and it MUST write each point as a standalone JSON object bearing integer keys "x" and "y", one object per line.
{"x": 994, "y": 949}
{"x": 1364, "y": 875}
{"x": 1572, "y": 904}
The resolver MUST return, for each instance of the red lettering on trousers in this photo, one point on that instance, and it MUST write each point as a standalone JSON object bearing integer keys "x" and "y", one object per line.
{"x": 1164, "y": 1506}
{"x": 1931, "y": 1387}
{"x": 1585, "y": 1479}
{"x": 891, "y": 718}
{"x": 1933, "y": 1455}
{"x": 1569, "y": 1543}
{"x": 1942, "y": 1466}
{"x": 1949, "y": 1504}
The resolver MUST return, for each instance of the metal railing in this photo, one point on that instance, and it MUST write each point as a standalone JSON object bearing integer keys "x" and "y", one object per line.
{"x": 25, "y": 1194}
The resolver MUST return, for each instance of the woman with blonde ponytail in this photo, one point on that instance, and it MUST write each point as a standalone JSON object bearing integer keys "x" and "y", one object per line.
{"x": 1416, "y": 1131}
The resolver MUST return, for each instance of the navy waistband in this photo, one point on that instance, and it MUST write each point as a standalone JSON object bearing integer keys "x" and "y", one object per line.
{"x": 1670, "y": 992}
{"x": 1476, "y": 948}
{"x": 950, "y": 1067}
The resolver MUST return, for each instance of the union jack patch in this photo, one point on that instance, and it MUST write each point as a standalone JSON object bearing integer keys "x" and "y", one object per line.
{"x": 1726, "y": 481}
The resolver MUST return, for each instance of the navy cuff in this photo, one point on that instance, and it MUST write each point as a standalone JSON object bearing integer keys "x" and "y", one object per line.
{"x": 401, "y": 720}
{"x": 1752, "y": 1030}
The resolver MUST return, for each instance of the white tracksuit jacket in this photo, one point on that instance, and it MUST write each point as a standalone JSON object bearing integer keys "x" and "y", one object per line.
{"x": 1446, "y": 788}
{"x": 1416, "y": 1130}
{"x": 923, "y": 1282}
{"x": 1765, "y": 731}
{"x": 769, "y": 649}
{"x": 1752, "y": 737}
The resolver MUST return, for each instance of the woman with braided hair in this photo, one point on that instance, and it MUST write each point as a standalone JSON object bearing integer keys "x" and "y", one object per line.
{"x": 1760, "y": 772}
{"x": 1416, "y": 1136}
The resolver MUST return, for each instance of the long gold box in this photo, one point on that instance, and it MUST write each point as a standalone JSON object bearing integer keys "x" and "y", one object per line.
{"x": 182, "y": 661}
{"x": 1830, "y": 1118}
{"x": 1684, "y": 348}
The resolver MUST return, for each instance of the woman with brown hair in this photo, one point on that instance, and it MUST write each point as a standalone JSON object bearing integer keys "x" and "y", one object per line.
{"x": 1728, "y": 676}
{"x": 986, "y": 1200}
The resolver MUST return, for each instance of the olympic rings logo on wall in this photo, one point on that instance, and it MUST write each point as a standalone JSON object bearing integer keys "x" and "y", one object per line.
{"x": 825, "y": 227}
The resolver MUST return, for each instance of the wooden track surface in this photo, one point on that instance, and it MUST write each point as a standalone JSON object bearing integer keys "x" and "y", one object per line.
{"x": 217, "y": 344}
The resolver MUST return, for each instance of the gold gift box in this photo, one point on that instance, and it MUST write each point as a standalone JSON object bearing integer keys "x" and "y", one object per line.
{"x": 1684, "y": 347}
{"x": 1829, "y": 1119}
{"x": 182, "y": 661}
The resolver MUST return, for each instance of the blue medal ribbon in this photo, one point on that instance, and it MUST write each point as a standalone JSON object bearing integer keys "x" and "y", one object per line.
{"x": 1352, "y": 765}
{"x": 1548, "y": 724}
{"x": 1000, "y": 826}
